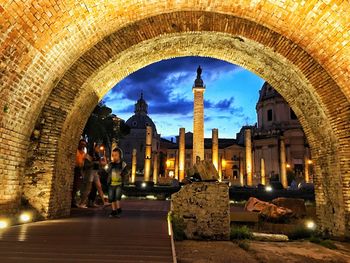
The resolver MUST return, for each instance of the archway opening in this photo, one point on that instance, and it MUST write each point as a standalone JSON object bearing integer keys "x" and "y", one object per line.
{"x": 287, "y": 67}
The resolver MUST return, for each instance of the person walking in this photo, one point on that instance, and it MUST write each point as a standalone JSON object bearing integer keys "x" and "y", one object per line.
{"x": 117, "y": 173}
{"x": 78, "y": 170}
{"x": 93, "y": 177}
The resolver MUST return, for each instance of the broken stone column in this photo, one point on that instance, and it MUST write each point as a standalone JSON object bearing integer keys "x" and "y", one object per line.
{"x": 181, "y": 154}
{"x": 155, "y": 168}
{"x": 204, "y": 170}
{"x": 248, "y": 156}
{"x": 262, "y": 171}
{"x": 220, "y": 168}
{"x": 205, "y": 210}
{"x": 133, "y": 165}
{"x": 283, "y": 163}
{"x": 215, "y": 148}
{"x": 241, "y": 173}
{"x": 176, "y": 167}
{"x": 306, "y": 166}
{"x": 148, "y": 154}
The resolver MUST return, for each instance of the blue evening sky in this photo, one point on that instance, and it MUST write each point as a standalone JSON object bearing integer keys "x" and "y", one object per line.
{"x": 230, "y": 97}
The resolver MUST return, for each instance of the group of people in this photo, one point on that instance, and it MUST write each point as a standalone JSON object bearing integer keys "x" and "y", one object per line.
{"x": 90, "y": 169}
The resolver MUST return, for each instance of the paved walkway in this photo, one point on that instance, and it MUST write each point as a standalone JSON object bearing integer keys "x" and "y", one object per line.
{"x": 140, "y": 235}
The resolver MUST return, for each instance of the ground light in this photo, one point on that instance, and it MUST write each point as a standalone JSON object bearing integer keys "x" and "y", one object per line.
{"x": 143, "y": 185}
{"x": 25, "y": 217}
{"x": 268, "y": 188}
{"x": 151, "y": 197}
{"x": 310, "y": 225}
{"x": 4, "y": 224}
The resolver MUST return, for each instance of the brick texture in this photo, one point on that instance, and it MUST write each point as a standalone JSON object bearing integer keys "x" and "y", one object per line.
{"x": 58, "y": 59}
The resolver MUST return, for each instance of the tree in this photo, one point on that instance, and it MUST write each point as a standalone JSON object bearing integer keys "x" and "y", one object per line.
{"x": 104, "y": 127}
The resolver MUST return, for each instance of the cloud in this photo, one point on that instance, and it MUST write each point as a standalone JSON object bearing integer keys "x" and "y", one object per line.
{"x": 163, "y": 80}
{"x": 167, "y": 88}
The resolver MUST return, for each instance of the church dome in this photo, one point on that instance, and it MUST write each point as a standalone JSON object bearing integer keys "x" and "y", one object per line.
{"x": 140, "y": 120}
{"x": 268, "y": 92}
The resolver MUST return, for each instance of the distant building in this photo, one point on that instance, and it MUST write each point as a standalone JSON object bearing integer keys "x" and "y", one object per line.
{"x": 136, "y": 139}
{"x": 275, "y": 119}
{"x": 229, "y": 150}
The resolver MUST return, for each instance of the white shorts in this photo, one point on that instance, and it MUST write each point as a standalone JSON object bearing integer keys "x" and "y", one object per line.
{"x": 94, "y": 176}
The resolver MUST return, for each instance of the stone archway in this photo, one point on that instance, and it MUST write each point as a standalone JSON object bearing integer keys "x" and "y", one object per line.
{"x": 303, "y": 82}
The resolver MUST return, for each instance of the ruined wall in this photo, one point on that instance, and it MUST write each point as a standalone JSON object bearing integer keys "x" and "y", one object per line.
{"x": 205, "y": 209}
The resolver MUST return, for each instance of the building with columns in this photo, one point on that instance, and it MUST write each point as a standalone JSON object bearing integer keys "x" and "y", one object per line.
{"x": 278, "y": 128}
{"x": 277, "y": 146}
{"x": 136, "y": 139}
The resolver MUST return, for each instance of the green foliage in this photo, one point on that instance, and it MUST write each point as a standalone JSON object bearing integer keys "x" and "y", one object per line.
{"x": 243, "y": 244}
{"x": 178, "y": 225}
{"x": 300, "y": 233}
{"x": 315, "y": 239}
{"x": 323, "y": 242}
{"x": 101, "y": 128}
{"x": 240, "y": 232}
{"x": 328, "y": 244}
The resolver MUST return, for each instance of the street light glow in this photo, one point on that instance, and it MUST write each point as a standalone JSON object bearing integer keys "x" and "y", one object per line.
{"x": 268, "y": 188}
{"x": 143, "y": 185}
{"x": 223, "y": 163}
{"x": 310, "y": 225}
{"x": 25, "y": 217}
{"x": 3, "y": 224}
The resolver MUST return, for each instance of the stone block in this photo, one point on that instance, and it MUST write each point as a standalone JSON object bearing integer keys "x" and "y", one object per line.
{"x": 204, "y": 170}
{"x": 205, "y": 210}
{"x": 295, "y": 204}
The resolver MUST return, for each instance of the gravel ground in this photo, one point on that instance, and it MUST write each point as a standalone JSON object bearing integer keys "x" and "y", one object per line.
{"x": 260, "y": 252}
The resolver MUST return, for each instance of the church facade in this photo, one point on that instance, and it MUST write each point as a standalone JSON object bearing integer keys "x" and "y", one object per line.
{"x": 136, "y": 139}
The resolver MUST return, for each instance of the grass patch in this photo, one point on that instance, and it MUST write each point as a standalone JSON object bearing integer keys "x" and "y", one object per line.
{"x": 178, "y": 225}
{"x": 240, "y": 232}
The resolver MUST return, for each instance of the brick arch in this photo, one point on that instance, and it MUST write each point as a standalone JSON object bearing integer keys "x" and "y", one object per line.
{"x": 40, "y": 43}
{"x": 293, "y": 72}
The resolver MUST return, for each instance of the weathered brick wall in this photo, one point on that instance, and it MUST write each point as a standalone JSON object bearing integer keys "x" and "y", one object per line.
{"x": 204, "y": 209}
{"x": 41, "y": 44}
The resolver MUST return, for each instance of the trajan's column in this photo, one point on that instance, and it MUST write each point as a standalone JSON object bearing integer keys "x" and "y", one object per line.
{"x": 198, "y": 117}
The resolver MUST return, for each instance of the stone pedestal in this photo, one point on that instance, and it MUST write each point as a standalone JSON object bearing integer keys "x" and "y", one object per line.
{"x": 205, "y": 210}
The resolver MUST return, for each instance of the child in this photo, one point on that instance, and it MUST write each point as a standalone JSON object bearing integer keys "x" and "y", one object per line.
{"x": 117, "y": 172}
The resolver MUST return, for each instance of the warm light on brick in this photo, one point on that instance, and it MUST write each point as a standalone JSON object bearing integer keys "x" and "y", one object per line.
{"x": 58, "y": 60}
